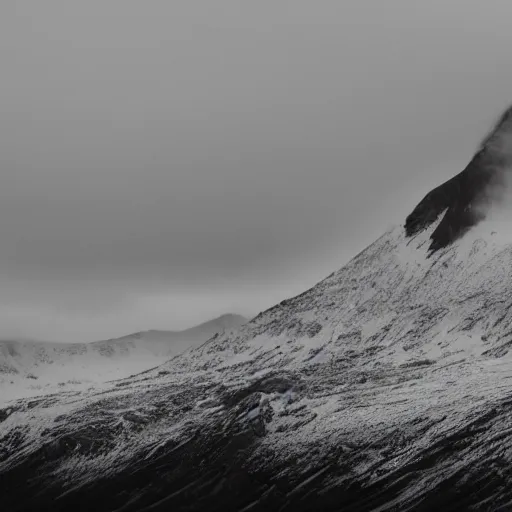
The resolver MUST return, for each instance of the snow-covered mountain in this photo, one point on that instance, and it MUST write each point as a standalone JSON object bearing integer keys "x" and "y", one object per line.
{"x": 44, "y": 363}
{"x": 385, "y": 387}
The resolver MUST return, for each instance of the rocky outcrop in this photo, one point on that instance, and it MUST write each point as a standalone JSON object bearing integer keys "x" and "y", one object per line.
{"x": 465, "y": 199}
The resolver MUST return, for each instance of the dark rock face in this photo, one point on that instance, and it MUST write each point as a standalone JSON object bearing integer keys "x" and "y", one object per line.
{"x": 466, "y": 197}
{"x": 460, "y": 198}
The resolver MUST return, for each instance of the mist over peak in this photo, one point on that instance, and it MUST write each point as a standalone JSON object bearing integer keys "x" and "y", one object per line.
{"x": 467, "y": 198}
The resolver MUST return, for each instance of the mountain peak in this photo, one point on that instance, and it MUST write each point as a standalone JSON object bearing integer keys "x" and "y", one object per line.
{"x": 229, "y": 320}
{"x": 465, "y": 199}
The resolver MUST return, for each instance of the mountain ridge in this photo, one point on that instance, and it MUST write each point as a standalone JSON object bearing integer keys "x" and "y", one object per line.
{"x": 59, "y": 363}
{"x": 226, "y": 321}
{"x": 464, "y": 200}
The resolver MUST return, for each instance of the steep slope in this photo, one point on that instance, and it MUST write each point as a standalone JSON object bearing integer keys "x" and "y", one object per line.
{"x": 466, "y": 197}
{"x": 385, "y": 387}
{"x": 64, "y": 363}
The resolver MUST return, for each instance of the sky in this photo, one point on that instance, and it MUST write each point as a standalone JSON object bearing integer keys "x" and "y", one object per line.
{"x": 164, "y": 162}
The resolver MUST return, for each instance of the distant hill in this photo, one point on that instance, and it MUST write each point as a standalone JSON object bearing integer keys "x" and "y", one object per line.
{"x": 104, "y": 360}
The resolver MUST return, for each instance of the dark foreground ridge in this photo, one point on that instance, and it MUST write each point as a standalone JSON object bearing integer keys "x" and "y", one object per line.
{"x": 466, "y": 197}
{"x": 225, "y": 466}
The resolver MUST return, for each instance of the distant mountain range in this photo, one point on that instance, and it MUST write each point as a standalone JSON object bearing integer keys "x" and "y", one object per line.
{"x": 103, "y": 360}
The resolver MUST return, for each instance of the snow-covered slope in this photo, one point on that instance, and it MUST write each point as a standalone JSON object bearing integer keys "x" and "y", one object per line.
{"x": 385, "y": 387}
{"x": 32, "y": 365}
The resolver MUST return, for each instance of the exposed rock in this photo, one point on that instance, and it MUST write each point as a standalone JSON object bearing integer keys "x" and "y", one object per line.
{"x": 465, "y": 198}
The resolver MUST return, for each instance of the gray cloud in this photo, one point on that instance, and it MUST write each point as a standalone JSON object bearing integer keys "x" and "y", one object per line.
{"x": 225, "y": 154}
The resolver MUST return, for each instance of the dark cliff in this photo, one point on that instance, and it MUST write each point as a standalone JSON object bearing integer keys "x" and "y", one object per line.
{"x": 465, "y": 198}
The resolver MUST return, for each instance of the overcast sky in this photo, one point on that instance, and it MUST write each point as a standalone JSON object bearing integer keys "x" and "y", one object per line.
{"x": 164, "y": 162}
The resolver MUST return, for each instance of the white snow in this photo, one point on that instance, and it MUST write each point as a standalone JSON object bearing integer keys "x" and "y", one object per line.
{"x": 33, "y": 368}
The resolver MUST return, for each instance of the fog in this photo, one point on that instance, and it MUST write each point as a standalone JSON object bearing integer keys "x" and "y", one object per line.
{"x": 164, "y": 162}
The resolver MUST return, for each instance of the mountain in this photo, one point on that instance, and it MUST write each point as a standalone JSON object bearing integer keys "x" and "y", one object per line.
{"x": 45, "y": 363}
{"x": 466, "y": 197}
{"x": 385, "y": 387}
